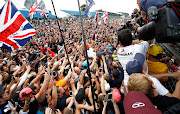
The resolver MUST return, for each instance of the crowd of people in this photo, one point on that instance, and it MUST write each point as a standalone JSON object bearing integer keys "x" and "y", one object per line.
{"x": 50, "y": 75}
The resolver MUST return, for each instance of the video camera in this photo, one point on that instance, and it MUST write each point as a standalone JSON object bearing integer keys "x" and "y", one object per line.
{"x": 164, "y": 23}
{"x": 126, "y": 25}
{"x": 134, "y": 15}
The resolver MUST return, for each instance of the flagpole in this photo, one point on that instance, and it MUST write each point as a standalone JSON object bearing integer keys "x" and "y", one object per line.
{"x": 61, "y": 35}
{"x": 88, "y": 69}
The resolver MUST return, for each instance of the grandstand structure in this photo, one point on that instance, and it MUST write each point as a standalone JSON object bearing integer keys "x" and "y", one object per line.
{"x": 111, "y": 15}
{"x": 37, "y": 15}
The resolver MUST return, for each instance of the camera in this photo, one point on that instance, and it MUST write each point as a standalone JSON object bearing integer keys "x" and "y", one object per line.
{"x": 53, "y": 73}
{"x": 134, "y": 15}
{"x": 126, "y": 25}
{"x": 164, "y": 23}
{"x": 108, "y": 97}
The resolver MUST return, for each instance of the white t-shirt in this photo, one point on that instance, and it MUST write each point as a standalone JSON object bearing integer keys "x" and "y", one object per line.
{"x": 91, "y": 53}
{"x": 160, "y": 89}
{"x": 126, "y": 54}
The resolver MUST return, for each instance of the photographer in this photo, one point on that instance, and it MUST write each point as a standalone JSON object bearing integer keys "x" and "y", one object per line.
{"x": 135, "y": 14}
{"x": 142, "y": 20}
{"x": 163, "y": 17}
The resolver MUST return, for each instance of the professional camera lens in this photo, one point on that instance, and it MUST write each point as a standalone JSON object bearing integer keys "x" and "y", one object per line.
{"x": 148, "y": 32}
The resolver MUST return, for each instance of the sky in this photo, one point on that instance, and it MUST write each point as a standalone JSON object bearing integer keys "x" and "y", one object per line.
{"x": 106, "y": 5}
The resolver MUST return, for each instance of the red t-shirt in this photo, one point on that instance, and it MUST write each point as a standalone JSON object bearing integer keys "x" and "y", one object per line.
{"x": 44, "y": 50}
{"x": 52, "y": 54}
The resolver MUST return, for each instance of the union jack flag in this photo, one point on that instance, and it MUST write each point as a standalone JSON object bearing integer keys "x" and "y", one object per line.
{"x": 105, "y": 16}
{"x": 15, "y": 30}
{"x": 44, "y": 11}
{"x": 33, "y": 9}
{"x": 96, "y": 17}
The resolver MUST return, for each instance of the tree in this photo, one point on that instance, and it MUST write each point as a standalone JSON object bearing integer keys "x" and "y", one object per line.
{"x": 83, "y": 7}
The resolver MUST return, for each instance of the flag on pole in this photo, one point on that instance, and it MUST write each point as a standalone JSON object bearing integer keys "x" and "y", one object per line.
{"x": 33, "y": 9}
{"x": 89, "y": 4}
{"x": 44, "y": 12}
{"x": 15, "y": 30}
{"x": 96, "y": 17}
{"x": 105, "y": 16}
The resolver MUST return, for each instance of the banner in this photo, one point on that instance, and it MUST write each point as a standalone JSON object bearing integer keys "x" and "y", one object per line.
{"x": 15, "y": 30}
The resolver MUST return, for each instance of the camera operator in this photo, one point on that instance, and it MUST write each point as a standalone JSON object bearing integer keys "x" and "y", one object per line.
{"x": 142, "y": 20}
{"x": 135, "y": 14}
{"x": 163, "y": 17}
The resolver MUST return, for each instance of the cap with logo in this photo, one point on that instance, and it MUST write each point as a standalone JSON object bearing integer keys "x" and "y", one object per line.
{"x": 137, "y": 103}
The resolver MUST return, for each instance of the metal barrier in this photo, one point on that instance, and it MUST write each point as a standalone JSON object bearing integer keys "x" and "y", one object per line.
{"x": 170, "y": 52}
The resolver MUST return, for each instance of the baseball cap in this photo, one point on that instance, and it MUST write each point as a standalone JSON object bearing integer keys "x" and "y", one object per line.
{"x": 136, "y": 65}
{"x": 155, "y": 50}
{"x": 116, "y": 95}
{"x": 137, "y": 103}
{"x": 25, "y": 92}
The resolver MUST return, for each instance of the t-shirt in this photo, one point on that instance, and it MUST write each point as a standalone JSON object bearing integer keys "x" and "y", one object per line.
{"x": 126, "y": 54}
{"x": 62, "y": 83}
{"x": 118, "y": 81}
{"x": 2, "y": 107}
{"x": 91, "y": 53}
{"x": 164, "y": 102}
{"x": 61, "y": 102}
{"x": 53, "y": 47}
{"x": 44, "y": 50}
{"x": 157, "y": 68}
{"x": 52, "y": 54}
{"x": 33, "y": 107}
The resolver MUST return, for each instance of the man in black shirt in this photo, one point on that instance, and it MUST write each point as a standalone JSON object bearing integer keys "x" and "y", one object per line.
{"x": 63, "y": 100}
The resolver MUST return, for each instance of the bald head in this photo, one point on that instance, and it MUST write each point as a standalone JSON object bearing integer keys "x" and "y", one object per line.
{"x": 77, "y": 70}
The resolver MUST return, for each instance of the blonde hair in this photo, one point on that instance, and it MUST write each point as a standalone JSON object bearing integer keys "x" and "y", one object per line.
{"x": 142, "y": 83}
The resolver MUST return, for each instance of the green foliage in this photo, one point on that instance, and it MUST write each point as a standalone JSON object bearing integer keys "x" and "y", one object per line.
{"x": 83, "y": 7}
